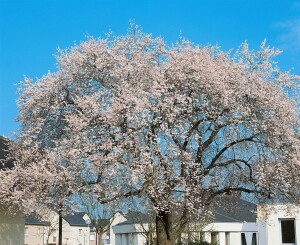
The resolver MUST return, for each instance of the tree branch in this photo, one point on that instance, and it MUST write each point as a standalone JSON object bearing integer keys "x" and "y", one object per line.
{"x": 228, "y": 190}
{"x": 214, "y": 160}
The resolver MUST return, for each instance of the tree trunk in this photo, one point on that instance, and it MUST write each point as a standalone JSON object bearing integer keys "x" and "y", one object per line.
{"x": 99, "y": 237}
{"x": 149, "y": 238}
{"x": 60, "y": 227}
{"x": 164, "y": 233}
{"x": 48, "y": 236}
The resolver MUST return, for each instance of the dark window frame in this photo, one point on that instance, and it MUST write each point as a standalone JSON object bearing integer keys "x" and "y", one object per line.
{"x": 289, "y": 235}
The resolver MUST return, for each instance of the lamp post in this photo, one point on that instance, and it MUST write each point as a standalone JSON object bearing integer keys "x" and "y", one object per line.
{"x": 60, "y": 227}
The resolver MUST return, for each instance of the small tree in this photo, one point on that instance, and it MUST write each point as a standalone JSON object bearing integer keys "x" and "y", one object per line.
{"x": 181, "y": 125}
{"x": 143, "y": 215}
{"x": 50, "y": 230}
{"x": 101, "y": 215}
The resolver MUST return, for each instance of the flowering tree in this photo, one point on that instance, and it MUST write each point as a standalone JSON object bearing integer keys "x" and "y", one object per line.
{"x": 101, "y": 215}
{"x": 181, "y": 125}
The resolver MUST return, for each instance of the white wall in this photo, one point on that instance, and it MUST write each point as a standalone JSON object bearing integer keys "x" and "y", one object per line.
{"x": 130, "y": 234}
{"x": 269, "y": 217}
{"x": 74, "y": 238}
{"x": 235, "y": 229}
{"x": 129, "y": 239}
{"x": 71, "y": 236}
{"x": 118, "y": 218}
{"x": 126, "y": 234}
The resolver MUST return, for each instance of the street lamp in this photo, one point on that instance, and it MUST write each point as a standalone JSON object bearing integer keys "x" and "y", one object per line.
{"x": 87, "y": 221}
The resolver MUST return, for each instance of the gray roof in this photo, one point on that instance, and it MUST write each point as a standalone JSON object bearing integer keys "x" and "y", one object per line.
{"x": 33, "y": 220}
{"x": 75, "y": 219}
{"x": 234, "y": 209}
{"x": 4, "y": 153}
{"x": 135, "y": 217}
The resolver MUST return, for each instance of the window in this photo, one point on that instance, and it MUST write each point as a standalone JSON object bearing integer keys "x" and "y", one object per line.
{"x": 80, "y": 231}
{"x": 254, "y": 239}
{"x": 227, "y": 238}
{"x": 288, "y": 231}
{"x": 92, "y": 237}
{"x": 54, "y": 238}
{"x": 243, "y": 239}
{"x": 26, "y": 231}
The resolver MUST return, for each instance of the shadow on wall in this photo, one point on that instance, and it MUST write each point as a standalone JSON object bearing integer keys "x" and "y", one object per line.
{"x": 12, "y": 229}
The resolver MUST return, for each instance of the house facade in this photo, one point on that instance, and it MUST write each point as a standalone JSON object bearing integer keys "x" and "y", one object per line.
{"x": 38, "y": 232}
{"x": 124, "y": 230}
{"x": 234, "y": 224}
{"x": 244, "y": 224}
{"x": 75, "y": 231}
{"x": 279, "y": 224}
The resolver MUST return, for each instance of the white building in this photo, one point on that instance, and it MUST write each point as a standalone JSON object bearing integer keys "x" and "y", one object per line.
{"x": 75, "y": 231}
{"x": 125, "y": 230}
{"x": 239, "y": 225}
{"x": 279, "y": 224}
{"x": 231, "y": 226}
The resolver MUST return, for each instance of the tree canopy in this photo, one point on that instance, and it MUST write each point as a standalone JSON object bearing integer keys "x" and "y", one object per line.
{"x": 180, "y": 125}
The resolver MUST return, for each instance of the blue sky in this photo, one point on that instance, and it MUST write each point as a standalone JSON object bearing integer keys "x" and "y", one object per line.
{"x": 32, "y": 30}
